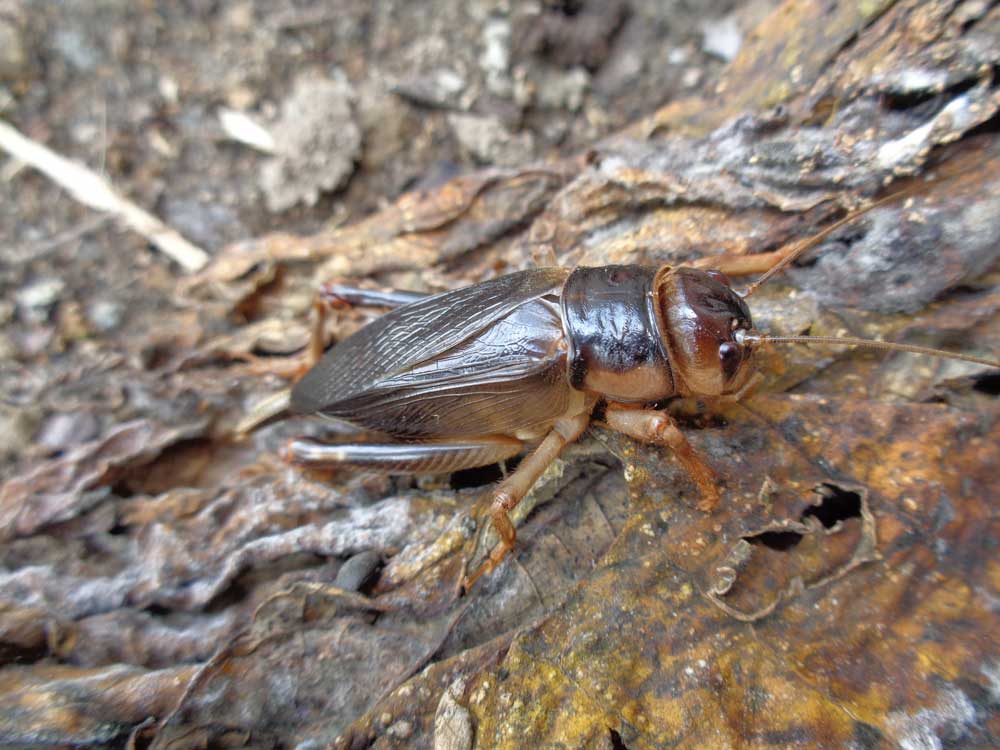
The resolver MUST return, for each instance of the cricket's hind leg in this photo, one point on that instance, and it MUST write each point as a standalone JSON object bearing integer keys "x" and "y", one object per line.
{"x": 446, "y": 456}
{"x": 437, "y": 457}
{"x": 512, "y": 490}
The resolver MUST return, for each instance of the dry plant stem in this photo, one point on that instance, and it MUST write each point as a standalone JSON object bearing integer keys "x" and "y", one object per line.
{"x": 93, "y": 190}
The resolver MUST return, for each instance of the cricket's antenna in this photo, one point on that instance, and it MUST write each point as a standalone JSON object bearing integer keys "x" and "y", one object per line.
{"x": 811, "y": 242}
{"x": 755, "y": 338}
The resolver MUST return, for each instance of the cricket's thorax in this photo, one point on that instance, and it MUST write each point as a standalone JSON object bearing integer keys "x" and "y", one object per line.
{"x": 615, "y": 343}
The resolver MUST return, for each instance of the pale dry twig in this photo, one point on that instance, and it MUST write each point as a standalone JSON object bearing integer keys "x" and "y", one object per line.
{"x": 93, "y": 190}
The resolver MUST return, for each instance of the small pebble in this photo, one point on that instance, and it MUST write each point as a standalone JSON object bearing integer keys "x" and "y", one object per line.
{"x": 401, "y": 730}
{"x": 105, "y": 314}
{"x": 40, "y": 293}
{"x": 358, "y": 571}
{"x": 722, "y": 38}
{"x": 678, "y": 56}
{"x": 691, "y": 78}
{"x": 441, "y": 88}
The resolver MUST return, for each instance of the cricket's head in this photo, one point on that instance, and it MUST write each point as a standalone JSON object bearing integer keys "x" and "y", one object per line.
{"x": 705, "y": 326}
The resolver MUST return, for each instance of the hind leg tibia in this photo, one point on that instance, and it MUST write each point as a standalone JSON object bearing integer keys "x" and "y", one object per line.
{"x": 512, "y": 490}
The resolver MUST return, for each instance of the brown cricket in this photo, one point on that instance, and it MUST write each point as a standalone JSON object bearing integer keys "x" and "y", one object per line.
{"x": 468, "y": 377}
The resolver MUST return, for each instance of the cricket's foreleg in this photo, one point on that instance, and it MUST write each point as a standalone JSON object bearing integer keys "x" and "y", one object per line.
{"x": 651, "y": 426}
{"x": 440, "y": 457}
{"x": 512, "y": 490}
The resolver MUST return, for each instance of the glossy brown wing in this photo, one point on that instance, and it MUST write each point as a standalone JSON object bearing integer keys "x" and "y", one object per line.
{"x": 480, "y": 360}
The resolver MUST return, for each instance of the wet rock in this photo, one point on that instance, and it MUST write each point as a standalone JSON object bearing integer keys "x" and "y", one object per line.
{"x": 489, "y": 142}
{"x": 317, "y": 141}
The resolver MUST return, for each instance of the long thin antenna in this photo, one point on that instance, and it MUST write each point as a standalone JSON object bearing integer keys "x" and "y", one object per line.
{"x": 836, "y": 341}
{"x": 811, "y": 242}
